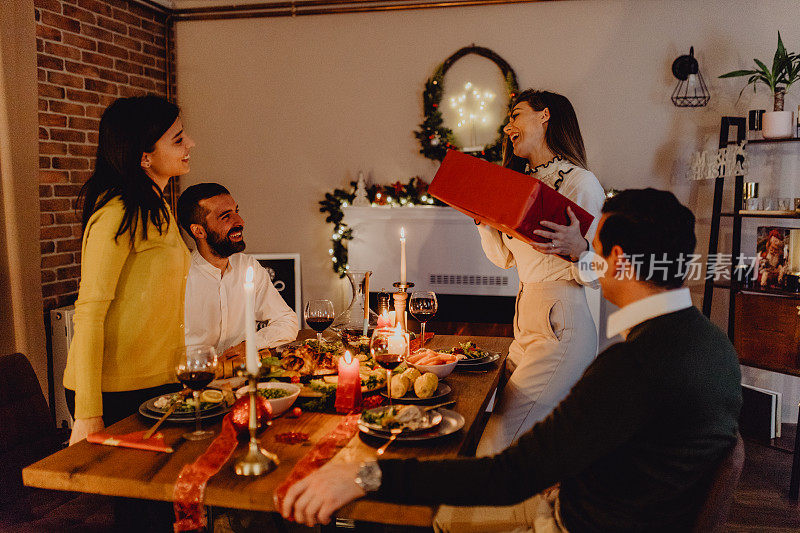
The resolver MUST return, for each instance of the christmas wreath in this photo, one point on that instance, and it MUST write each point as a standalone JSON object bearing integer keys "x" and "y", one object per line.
{"x": 397, "y": 194}
{"x": 434, "y": 137}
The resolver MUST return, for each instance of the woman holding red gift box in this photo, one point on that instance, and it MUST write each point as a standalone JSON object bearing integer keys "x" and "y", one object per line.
{"x": 554, "y": 334}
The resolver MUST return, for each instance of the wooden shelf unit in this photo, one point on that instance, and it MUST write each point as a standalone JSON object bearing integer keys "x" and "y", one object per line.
{"x": 764, "y": 325}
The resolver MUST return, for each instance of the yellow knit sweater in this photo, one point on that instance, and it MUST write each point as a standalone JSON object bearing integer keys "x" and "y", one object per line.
{"x": 129, "y": 312}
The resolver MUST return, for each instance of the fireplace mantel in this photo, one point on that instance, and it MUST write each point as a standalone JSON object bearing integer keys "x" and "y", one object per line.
{"x": 443, "y": 250}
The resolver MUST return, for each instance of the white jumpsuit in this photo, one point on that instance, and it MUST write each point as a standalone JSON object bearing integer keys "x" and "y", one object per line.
{"x": 554, "y": 335}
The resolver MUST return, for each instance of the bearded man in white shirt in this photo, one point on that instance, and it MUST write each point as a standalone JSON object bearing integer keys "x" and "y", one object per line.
{"x": 215, "y": 305}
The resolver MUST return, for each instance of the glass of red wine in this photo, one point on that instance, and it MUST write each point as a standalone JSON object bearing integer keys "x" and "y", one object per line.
{"x": 196, "y": 367}
{"x": 319, "y": 315}
{"x": 423, "y": 306}
{"x": 388, "y": 347}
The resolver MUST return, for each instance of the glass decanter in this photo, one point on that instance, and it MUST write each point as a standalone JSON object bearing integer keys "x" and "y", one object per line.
{"x": 349, "y": 324}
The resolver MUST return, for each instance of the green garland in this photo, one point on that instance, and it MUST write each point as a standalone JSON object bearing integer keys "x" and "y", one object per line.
{"x": 415, "y": 192}
{"x": 433, "y": 136}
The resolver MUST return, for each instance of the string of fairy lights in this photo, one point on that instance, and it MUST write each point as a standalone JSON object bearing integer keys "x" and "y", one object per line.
{"x": 469, "y": 108}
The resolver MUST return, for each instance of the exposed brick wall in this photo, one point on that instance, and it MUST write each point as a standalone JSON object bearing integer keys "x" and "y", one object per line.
{"x": 90, "y": 52}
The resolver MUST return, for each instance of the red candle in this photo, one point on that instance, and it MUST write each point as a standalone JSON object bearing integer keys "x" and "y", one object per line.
{"x": 348, "y": 388}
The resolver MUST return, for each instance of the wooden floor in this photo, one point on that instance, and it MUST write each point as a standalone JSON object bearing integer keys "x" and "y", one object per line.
{"x": 761, "y": 502}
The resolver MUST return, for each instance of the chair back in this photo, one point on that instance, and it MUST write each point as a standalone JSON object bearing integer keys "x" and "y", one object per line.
{"x": 715, "y": 508}
{"x": 27, "y": 430}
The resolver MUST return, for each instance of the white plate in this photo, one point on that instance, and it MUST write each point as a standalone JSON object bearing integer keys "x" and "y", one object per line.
{"x": 451, "y": 422}
{"x": 431, "y": 419}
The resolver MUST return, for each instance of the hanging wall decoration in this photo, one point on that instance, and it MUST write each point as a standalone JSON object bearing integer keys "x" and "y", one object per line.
{"x": 435, "y": 136}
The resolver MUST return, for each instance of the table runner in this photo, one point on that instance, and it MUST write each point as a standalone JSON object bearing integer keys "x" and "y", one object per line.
{"x": 190, "y": 486}
{"x": 320, "y": 454}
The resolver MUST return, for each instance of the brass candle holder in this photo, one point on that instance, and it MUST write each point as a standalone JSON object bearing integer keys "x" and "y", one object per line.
{"x": 400, "y": 302}
{"x": 256, "y": 461}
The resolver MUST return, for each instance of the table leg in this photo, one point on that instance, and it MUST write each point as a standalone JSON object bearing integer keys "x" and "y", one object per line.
{"x": 794, "y": 484}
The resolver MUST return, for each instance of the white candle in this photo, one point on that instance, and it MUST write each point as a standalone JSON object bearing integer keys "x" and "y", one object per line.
{"x": 402, "y": 256}
{"x": 251, "y": 350}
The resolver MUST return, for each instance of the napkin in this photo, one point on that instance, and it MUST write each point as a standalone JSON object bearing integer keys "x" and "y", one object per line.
{"x": 502, "y": 198}
{"x": 132, "y": 440}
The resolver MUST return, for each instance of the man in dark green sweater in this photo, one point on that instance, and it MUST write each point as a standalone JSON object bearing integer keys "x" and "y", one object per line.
{"x": 635, "y": 443}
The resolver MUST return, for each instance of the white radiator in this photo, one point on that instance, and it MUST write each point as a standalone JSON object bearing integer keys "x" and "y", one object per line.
{"x": 61, "y": 331}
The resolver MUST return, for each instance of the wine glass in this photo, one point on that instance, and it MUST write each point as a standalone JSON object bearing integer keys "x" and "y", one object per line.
{"x": 388, "y": 347}
{"x": 319, "y": 315}
{"x": 423, "y": 306}
{"x": 196, "y": 367}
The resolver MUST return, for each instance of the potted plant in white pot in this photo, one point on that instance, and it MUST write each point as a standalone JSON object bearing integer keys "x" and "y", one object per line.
{"x": 785, "y": 71}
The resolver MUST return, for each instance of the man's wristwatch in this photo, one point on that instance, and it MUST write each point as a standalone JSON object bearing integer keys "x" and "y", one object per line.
{"x": 368, "y": 476}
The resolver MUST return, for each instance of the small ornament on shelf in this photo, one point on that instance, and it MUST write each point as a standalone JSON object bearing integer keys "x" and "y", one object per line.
{"x": 360, "y": 199}
{"x": 724, "y": 163}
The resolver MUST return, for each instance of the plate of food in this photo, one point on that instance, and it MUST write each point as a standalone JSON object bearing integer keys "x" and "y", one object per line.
{"x": 468, "y": 353}
{"x": 427, "y": 360}
{"x": 412, "y": 386}
{"x": 209, "y": 400}
{"x": 451, "y": 423}
{"x": 408, "y": 418}
{"x": 184, "y": 412}
{"x": 303, "y": 360}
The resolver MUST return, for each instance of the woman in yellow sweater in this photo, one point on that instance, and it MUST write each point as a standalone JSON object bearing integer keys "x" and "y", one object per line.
{"x": 129, "y": 312}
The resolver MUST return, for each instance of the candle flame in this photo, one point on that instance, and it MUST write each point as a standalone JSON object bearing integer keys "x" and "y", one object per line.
{"x": 248, "y": 278}
{"x": 402, "y": 233}
{"x": 348, "y": 357}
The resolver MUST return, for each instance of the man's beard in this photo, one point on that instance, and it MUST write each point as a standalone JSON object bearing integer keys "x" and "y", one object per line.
{"x": 224, "y": 246}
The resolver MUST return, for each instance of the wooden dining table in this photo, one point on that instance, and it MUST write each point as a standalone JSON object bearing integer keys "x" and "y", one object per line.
{"x": 114, "y": 471}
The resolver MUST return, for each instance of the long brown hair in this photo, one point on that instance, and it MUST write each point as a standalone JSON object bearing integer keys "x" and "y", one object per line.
{"x": 563, "y": 135}
{"x": 128, "y": 128}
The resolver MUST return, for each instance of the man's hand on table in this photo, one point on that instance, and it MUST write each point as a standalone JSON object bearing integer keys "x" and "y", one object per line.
{"x": 234, "y": 352}
{"x": 84, "y": 427}
{"x": 315, "y": 498}
{"x": 231, "y": 359}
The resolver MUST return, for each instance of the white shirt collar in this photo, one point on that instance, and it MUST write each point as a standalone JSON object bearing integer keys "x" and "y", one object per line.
{"x": 206, "y": 267}
{"x": 620, "y": 322}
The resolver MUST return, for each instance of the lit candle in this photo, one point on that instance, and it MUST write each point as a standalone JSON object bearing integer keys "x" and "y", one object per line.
{"x": 403, "y": 256}
{"x": 397, "y": 341}
{"x": 386, "y": 319}
{"x": 251, "y": 350}
{"x": 366, "y": 303}
{"x": 348, "y": 387}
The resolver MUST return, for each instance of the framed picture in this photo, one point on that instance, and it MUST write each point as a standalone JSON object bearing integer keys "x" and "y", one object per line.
{"x": 284, "y": 271}
{"x": 772, "y": 249}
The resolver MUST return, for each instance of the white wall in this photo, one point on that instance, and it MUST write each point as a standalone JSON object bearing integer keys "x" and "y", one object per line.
{"x": 284, "y": 110}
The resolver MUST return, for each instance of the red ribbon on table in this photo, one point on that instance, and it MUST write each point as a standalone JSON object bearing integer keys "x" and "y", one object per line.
{"x": 320, "y": 454}
{"x": 134, "y": 440}
{"x": 190, "y": 486}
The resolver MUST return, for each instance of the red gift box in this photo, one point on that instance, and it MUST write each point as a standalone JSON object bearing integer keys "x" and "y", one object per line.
{"x": 507, "y": 200}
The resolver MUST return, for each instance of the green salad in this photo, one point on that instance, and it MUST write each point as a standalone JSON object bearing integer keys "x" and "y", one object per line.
{"x": 468, "y": 349}
{"x": 273, "y": 394}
